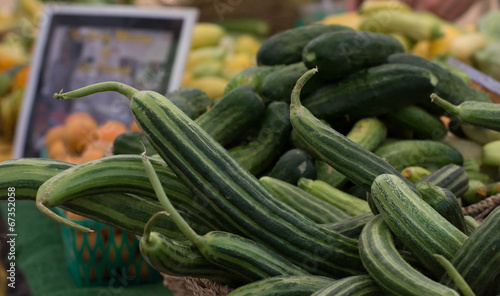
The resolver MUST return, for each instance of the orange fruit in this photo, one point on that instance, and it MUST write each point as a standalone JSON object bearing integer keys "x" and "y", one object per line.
{"x": 94, "y": 150}
{"x": 134, "y": 127}
{"x": 79, "y": 130}
{"x": 53, "y": 134}
{"x": 57, "y": 149}
{"x": 110, "y": 130}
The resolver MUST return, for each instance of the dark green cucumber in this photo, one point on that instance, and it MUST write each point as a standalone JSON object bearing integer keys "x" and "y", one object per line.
{"x": 310, "y": 206}
{"x": 336, "y": 197}
{"x": 230, "y": 190}
{"x": 252, "y": 76}
{"x": 476, "y": 192}
{"x": 338, "y": 54}
{"x": 421, "y": 228}
{"x": 357, "y": 285}
{"x": 351, "y": 226}
{"x": 428, "y": 154}
{"x": 424, "y": 124}
{"x": 388, "y": 268}
{"x": 371, "y": 92}
{"x": 193, "y": 101}
{"x": 450, "y": 86}
{"x": 483, "y": 114}
{"x": 250, "y": 260}
{"x": 132, "y": 142}
{"x": 478, "y": 259}
{"x": 329, "y": 175}
{"x": 233, "y": 114}
{"x": 293, "y": 165}
{"x": 278, "y": 85}
{"x": 261, "y": 153}
{"x": 445, "y": 203}
{"x": 298, "y": 285}
{"x": 124, "y": 174}
{"x": 286, "y": 46}
{"x": 355, "y": 162}
{"x": 452, "y": 177}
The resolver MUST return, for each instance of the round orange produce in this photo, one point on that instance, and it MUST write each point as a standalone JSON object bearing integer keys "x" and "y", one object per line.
{"x": 53, "y": 135}
{"x": 110, "y": 130}
{"x": 79, "y": 130}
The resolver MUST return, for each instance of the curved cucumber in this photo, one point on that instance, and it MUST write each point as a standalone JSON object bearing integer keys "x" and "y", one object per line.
{"x": 358, "y": 285}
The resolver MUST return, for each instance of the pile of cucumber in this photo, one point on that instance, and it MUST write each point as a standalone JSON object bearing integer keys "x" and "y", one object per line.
{"x": 321, "y": 171}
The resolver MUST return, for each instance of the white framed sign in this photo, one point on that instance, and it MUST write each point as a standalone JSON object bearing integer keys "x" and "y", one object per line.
{"x": 78, "y": 45}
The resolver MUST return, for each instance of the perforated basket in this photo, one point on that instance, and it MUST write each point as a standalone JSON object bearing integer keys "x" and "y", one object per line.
{"x": 106, "y": 256}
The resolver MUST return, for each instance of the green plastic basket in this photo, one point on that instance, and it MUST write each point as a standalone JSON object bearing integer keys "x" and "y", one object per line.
{"x": 106, "y": 256}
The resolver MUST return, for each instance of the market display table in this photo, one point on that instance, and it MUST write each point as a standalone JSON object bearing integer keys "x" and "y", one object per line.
{"x": 41, "y": 257}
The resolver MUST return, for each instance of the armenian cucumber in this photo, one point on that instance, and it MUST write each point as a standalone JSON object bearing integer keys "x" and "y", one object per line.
{"x": 388, "y": 268}
{"x": 286, "y": 46}
{"x": 428, "y": 154}
{"x": 478, "y": 259}
{"x": 309, "y": 205}
{"x": 232, "y": 115}
{"x": 193, "y": 101}
{"x": 351, "y": 226}
{"x": 249, "y": 259}
{"x": 355, "y": 162}
{"x": 483, "y": 114}
{"x": 231, "y": 191}
{"x": 424, "y": 124}
{"x": 293, "y": 165}
{"x": 295, "y": 285}
{"x": 421, "y": 228}
{"x": 371, "y": 92}
{"x": 261, "y": 153}
{"x": 341, "y": 53}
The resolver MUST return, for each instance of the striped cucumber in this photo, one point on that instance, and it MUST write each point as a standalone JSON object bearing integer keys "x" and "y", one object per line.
{"x": 260, "y": 154}
{"x": 483, "y": 114}
{"x": 310, "y": 206}
{"x": 478, "y": 259}
{"x": 125, "y": 174}
{"x": 295, "y": 285}
{"x": 349, "y": 204}
{"x": 445, "y": 203}
{"x": 388, "y": 268}
{"x": 428, "y": 154}
{"x": 127, "y": 212}
{"x": 358, "y": 285}
{"x": 179, "y": 257}
{"x": 355, "y": 162}
{"x": 452, "y": 177}
{"x": 421, "y": 228}
{"x": 231, "y": 191}
{"x": 249, "y": 259}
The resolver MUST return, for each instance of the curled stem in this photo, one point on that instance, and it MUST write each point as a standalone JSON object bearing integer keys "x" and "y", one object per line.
{"x": 60, "y": 219}
{"x": 151, "y": 223}
{"x": 295, "y": 97}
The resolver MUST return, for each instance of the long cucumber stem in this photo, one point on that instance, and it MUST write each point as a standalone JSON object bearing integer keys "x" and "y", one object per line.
{"x": 449, "y": 107}
{"x": 295, "y": 97}
{"x": 167, "y": 205}
{"x": 119, "y": 87}
{"x": 455, "y": 275}
{"x": 61, "y": 220}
